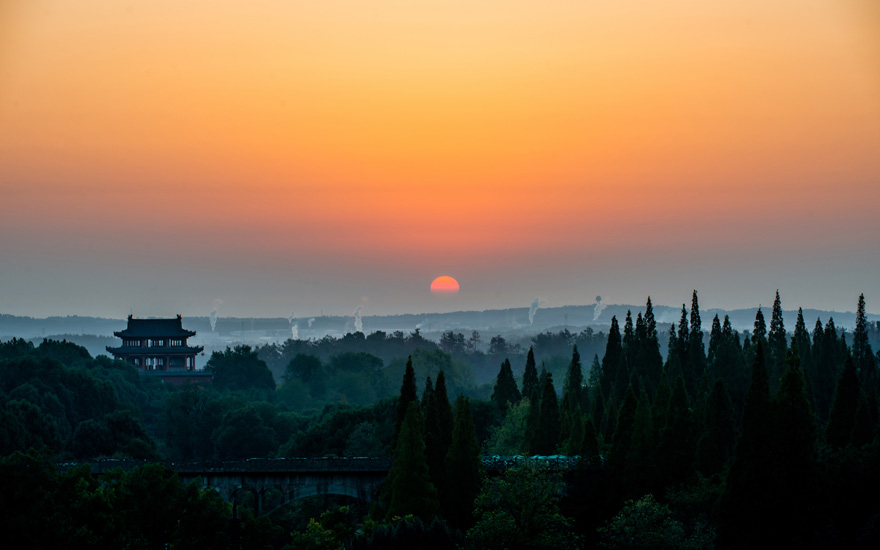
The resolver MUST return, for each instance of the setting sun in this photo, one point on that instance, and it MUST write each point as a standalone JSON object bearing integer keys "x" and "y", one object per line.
{"x": 444, "y": 285}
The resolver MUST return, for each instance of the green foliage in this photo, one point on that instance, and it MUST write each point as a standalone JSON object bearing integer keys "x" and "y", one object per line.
{"x": 520, "y": 511}
{"x": 646, "y": 524}
{"x": 239, "y": 368}
{"x": 530, "y": 387}
{"x": 843, "y": 411}
{"x": 715, "y": 445}
{"x": 145, "y": 508}
{"x": 23, "y": 425}
{"x": 410, "y": 487}
{"x": 407, "y": 395}
{"x": 464, "y": 470}
{"x": 334, "y": 530}
{"x": 439, "y": 424}
{"x": 340, "y": 431}
{"x": 508, "y": 438}
{"x": 407, "y": 533}
{"x": 47, "y": 403}
{"x": 640, "y": 458}
{"x": 611, "y": 360}
{"x": 505, "y": 391}
{"x": 547, "y": 437}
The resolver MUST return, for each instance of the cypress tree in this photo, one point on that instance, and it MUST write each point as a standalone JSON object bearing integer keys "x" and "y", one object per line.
{"x": 572, "y": 401}
{"x": 759, "y": 331}
{"x": 598, "y": 409}
{"x": 589, "y": 450}
{"x": 829, "y": 363}
{"x": 843, "y": 411}
{"x": 533, "y": 427}
{"x": 629, "y": 340}
{"x": 438, "y": 430}
{"x": 505, "y": 391}
{"x": 611, "y": 359}
{"x": 714, "y": 347}
{"x": 661, "y": 406}
{"x": 426, "y": 393}
{"x": 548, "y": 436}
{"x": 407, "y": 395}
{"x": 696, "y": 351}
{"x": 718, "y": 434}
{"x": 866, "y": 421}
{"x": 749, "y": 497}
{"x": 530, "y": 387}
{"x": 777, "y": 343}
{"x": 652, "y": 357}
{"x": 626, "y": 417}
{"x": 640, "y": 458}
{"x": 731, "y": 367}
{"x": 863, "y": 356}
{"x": 464, "y": 469}
{"x": 411, "y": 490}
{"x": 676, "y": 446}
{"x": 794, "y": 450}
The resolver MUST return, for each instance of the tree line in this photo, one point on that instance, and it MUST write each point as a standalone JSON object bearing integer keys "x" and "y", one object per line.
{"x": 731, "y": 440}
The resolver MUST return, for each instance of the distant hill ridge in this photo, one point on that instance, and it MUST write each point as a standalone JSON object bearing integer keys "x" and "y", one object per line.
{"x": 574, "y": 318}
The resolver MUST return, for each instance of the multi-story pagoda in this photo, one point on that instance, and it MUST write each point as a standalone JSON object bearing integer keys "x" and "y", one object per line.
{"x": 156, "y": 345}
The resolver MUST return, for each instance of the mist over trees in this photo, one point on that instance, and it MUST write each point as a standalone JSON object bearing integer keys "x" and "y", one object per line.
{"x": 729, "y": 439}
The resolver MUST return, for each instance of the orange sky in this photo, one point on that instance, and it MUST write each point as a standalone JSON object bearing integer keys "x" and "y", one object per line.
{"x": 340, "y": 153}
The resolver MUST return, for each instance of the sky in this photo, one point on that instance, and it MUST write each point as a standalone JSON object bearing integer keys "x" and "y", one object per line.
{"x": 278, "y": 156}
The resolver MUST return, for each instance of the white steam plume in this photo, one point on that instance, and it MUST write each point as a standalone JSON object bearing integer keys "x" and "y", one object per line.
{"x": 536, "y": 303}
{"x": 358, "y": 323}
{"x": 217, "y": 303}
{"x": 311, "y": 322}
{"x": 597, "y": 309}
{"x": 294, "y": 329}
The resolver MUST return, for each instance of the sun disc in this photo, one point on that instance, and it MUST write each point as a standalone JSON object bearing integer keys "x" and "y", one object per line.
{"x": 444, "y": 285}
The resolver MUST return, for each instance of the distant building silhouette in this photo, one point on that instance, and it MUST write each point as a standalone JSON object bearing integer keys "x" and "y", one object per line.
{"x": 159, "y": 347}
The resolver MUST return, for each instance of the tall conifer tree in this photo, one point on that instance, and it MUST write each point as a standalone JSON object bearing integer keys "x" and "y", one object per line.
{"x": 777, "y": 342}
{"x": 438, "y": 430}
{"x": 794, "y": 451}
{"x": 505, "y": 391}
{"x": 696, "y": 350}
{"x": 652, "y": 357}
{"x": 530, "y": 387}
{"x": 863, "y": 356}
{"x": 464, "y": 469}
{"x": 611, "y": 359}
{"x": 715, "y": 445}
{"x": 407, "y": 395}
{"x": 843, "y": 411}
{"x": 640, "y": 458}
{"x": 411, "y": 490}
{"x": 548, "y": 436}
{"x": 748, "y": 497}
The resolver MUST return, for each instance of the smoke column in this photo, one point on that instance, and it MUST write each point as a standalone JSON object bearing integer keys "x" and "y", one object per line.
{"x": 597, "y": 309}
{"x": 294, "y": 329}
{"x": 311, "y": 322}
{"x": 358, "y": 324}
{"x": 217, "y": 303}
{"x": 536, "y": 303}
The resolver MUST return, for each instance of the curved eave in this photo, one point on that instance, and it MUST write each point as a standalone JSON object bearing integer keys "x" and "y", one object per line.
{"x": 156, "y": 350}
{"x": 182, "y": 333}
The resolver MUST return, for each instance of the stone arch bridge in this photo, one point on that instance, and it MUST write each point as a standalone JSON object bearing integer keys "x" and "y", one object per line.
{"x": 296, "y": 478}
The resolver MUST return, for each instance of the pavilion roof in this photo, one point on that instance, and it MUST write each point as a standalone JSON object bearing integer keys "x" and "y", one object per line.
{"x": 155, "y": 328}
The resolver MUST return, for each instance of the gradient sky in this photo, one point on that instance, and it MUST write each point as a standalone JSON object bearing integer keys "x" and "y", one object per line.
{"x": 308, "y": 157}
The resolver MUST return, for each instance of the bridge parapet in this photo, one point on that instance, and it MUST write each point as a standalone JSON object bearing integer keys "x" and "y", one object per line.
{"x": 556, "y": 463}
